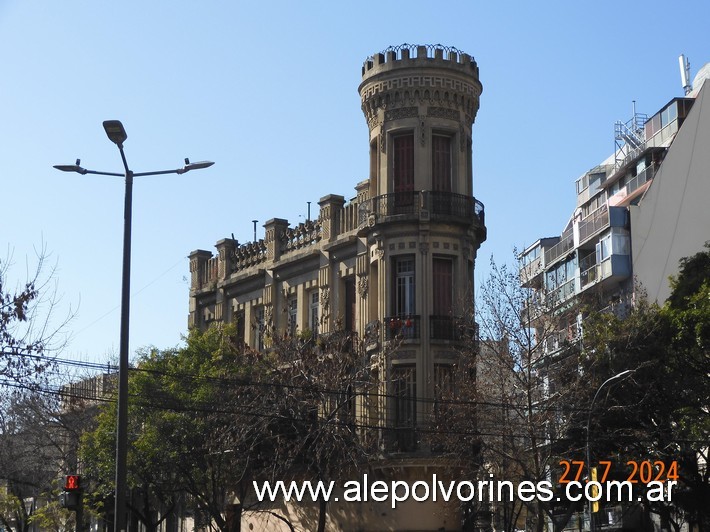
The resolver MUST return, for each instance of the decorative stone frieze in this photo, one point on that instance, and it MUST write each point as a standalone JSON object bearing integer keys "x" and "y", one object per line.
{"x": 362, "y": 286}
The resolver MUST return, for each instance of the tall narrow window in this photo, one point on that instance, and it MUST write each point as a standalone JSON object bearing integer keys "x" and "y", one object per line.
{"x": 239, "y": 324}
{"x": 313, "y": 312}
{"x": 350, "y": 303}
{"x": 403, "y": 164}
{"x": 404, "y": 302}
{"x": 442, "y": 321}
{"x": 374, "y": 189}
{"x": 292, "y": 316}
{"x": 443, "y": 386}
{"x": 441, "y": 163}
{"x": 260, "y": 327}
{"x": 404, "y": 383}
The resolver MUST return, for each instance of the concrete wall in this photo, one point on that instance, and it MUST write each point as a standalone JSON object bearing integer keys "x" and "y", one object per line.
{"x": 672, "y": 220}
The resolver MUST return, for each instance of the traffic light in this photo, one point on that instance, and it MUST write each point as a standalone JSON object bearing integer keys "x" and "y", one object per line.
{"x": 72, "y": 483}
{"x": 70, "y": 498}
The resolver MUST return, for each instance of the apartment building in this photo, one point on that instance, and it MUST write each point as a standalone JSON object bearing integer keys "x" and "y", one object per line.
{"x": 638, "y": 212}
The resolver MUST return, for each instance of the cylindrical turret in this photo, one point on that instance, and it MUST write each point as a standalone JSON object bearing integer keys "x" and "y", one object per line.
{"x": 420, "y": 103}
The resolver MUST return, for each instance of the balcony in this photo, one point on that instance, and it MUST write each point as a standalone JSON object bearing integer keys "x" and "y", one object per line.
{"x": 403, "y": 439}
{"x": 423, "y": 205}
{"x": 594, "y": 223}
{"x": 444, "y": 328}
{"x": 560, "y": 249}
{"x": 562, "y": 293}
{"x": 404, "y": 327}
{"x": 530, "y": 271}
{"x": 614, "y": 267}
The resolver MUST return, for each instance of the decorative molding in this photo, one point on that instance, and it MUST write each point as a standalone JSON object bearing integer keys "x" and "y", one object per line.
{"x": 372, "y": 121}
{"x": 424, "y": 248}
{"x": 422, "y": 131}
{"x": 325, "y": 299}
{"x": 402, "y": 112}
{"x": 443, "y": 112}
{"x": 268, "y": 315}
{"x": 402, "y": 355}
{"x": 421, "y": 86}
{"x": 362, "y": 286}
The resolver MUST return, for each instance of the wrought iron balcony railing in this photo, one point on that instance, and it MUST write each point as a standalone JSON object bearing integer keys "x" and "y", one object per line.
{"x": 444, "y": 328}
{"x": 434, "y": 204}
{"x": 406, "y": 327}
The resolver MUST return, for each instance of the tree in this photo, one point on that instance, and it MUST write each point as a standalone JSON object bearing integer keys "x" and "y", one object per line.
{"x": 661, "y": 413}
{"x": 207, "y": 419}
{"x": 324, "y": 377}
{"x": 506, "y": 414}
{"x": 28, "y": 336}
{"x": 32, "y": 451}
{"x": 528, "y": 422}
{"x": 178, "y": 430}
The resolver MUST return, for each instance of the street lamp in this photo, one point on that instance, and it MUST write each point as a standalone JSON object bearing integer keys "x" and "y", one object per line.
{"x": 117, "y": 134}
{"x": 617, "y": 377}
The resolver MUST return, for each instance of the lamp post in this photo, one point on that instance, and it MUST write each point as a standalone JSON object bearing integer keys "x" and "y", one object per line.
{"x": 117, "y": 134}
{"x": 617, "y": 377}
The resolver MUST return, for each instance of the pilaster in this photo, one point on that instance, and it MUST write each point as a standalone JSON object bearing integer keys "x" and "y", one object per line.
{"x": 198, "y": 261}
{"x": 330, "y": 208}
{"x": 274, "y": 230}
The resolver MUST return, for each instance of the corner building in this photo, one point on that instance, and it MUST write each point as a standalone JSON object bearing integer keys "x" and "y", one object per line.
{"x": 394, "y": 265}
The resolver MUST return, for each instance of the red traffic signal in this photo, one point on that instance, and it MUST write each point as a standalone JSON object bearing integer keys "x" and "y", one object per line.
{"x": 72, "y": 483}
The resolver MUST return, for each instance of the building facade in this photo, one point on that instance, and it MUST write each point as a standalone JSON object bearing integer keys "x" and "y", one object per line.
{"x": 394, "y": 265}
{"x": 395, "y": 260}
{"x": 638, "y": 213}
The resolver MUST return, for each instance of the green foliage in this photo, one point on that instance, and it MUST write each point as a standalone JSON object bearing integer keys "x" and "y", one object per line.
{"x": 661, "y": 413}
{"x": 207, "y": 418}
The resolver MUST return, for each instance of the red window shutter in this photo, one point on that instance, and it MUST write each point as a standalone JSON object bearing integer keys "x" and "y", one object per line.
{"x": 404, "y": 163}
{"x": 442, "y": 286}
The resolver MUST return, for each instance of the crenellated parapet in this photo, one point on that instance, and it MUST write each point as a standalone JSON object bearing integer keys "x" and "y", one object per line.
{"x": 412, "y": 81}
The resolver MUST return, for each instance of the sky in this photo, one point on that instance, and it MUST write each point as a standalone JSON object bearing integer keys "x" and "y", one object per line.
{"x": 268, "y": 91}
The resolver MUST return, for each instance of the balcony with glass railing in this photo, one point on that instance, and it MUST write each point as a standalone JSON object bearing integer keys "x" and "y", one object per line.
{"x": 563, "y": 292}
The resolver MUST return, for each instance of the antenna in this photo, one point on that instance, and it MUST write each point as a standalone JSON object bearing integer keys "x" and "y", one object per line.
{"x": 254, "y": 222}
{"x": 685, "y": 73}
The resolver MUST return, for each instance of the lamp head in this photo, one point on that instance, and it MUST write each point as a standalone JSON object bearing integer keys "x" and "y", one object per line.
{"x": 115, "y": 132}
{"x": 71, "y": 168}
{"x": 194, "y": 166}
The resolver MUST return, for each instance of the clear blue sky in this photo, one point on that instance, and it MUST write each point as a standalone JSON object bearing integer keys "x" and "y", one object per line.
{"x": 268, "y": 90}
